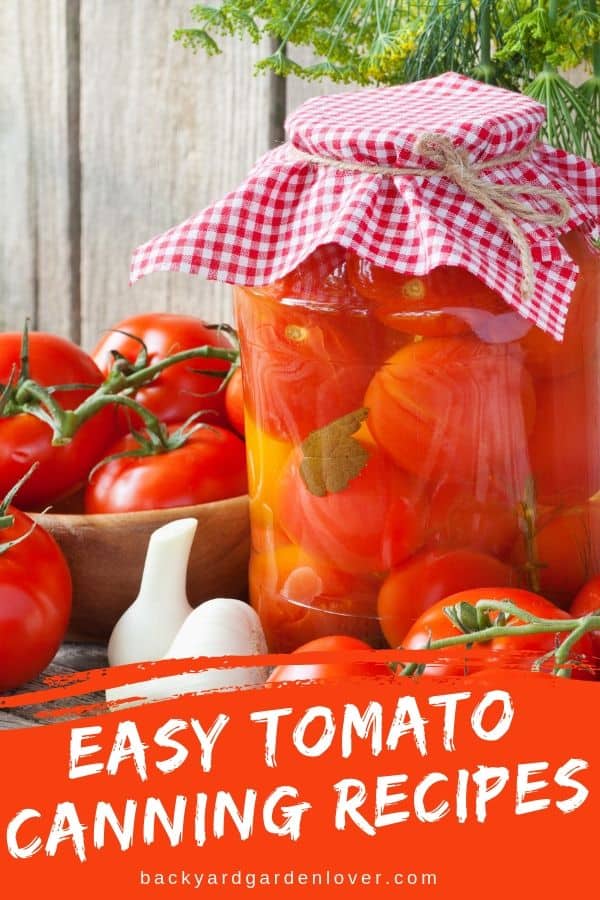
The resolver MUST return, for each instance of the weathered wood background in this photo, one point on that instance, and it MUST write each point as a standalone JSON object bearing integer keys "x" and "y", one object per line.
{"x": 111, "y": 132}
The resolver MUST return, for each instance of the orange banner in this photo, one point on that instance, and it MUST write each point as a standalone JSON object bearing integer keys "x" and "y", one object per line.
{"x": 466, "y": 788}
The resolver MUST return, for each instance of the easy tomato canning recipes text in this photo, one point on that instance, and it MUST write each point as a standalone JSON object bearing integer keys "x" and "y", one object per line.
{"x": 391, "y": 800}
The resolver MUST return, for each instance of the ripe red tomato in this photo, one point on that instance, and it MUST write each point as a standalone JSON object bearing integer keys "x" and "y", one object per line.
{"x": 299, "y": 598}
{"x": 479, "y": 516}
{"x": 302, "y": 367}
{"x": 588, "y": 601}
{"x": 24, "y": 439}
{"x": 211, "y": 465}
{"x": 507, "y": 652}
{"x": 333, "y": 644}
{"x": 181, "y": 390}
{"x": 371, "y": 525}
{"x": 454, "y": 405}
{"x": 428, "y": 577}
{"x": 35, "y": 601}
{"x": 447, "y": 301}
{"x": 567, "y": 547}
{"x": 234, "y": 402}
{"x": 308, "y": 348}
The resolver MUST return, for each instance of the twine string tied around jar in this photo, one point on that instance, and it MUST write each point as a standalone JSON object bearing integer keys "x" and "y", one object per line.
{"x": 500, "y": 200}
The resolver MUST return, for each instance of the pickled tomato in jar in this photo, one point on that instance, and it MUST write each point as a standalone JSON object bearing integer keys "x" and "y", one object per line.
{"x": 411, "y": 437}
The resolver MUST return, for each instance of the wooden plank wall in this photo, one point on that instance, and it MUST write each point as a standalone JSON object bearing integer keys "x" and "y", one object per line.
{"x": 165, "y": 135}
{"x": 111, "y": 132}
{"x": 36, "y": 266}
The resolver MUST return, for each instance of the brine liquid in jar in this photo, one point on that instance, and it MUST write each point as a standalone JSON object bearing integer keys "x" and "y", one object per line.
{"x": 409, "y": 437}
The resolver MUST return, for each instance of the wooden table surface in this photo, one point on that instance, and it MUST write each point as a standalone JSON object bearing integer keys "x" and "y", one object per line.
{"x": 72, "y": 657}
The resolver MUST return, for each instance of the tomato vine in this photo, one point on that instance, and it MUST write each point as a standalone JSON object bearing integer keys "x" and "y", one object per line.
{"x": 475, "y": 625}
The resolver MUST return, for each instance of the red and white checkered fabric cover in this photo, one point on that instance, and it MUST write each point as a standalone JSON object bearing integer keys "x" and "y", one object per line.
{"x": 288, "y": 206}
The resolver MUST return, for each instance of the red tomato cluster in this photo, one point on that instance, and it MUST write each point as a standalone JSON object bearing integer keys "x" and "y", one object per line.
{"x": 182, "y": 389}
{"x": 211, "y": 463}
{"x": 410, "y": 438}
{"x": 216, "y": 467}
{"x": 201, "y": 457}
{"x": 25, "y": 440}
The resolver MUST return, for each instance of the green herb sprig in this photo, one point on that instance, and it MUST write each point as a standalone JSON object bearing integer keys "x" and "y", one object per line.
{"x": 516, "y": 44}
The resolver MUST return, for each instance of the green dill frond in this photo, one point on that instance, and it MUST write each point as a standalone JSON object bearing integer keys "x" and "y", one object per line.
{"x": 518, "y": 44}
{"x": 197, "y": 39}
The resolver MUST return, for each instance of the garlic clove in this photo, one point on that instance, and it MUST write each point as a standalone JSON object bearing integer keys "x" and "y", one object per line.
{"x": 219, "y": 627}
{"x": 147, "y": 628}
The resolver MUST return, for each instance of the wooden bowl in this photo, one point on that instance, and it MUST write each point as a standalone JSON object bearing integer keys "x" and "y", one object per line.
{"x": 106, "y": 555}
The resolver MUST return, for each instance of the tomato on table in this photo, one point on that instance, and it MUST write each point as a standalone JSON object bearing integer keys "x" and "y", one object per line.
{"x": 24, "y": 439}
{"x": 211, "y": 465}
{"x": 447, "y": 301}
{"x": 372, "y": 524}
{"x": 505, "y": 652}
{"x": 586, "y": 602}
{"x": 180, "y": 390}
{"x": 454, "y": 405}
{"x": 299, "y": 598}
{"x": 425, "y": 579}
{"x": 334, "y": 644}
{"x": 35, "y": 599}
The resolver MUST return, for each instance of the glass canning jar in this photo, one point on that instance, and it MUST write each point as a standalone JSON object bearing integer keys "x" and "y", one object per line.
{"x": 409, "y": 437}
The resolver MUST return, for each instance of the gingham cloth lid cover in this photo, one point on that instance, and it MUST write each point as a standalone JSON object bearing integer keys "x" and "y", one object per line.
{"x": 288, "y": 206}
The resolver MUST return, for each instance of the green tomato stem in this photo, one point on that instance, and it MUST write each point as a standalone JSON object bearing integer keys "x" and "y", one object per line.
{"x": 8, "y": 545}
{"x": 575, "y": 628}
{"x": 562, "y": 654}
{"x": 5, "y": 519}
{"x": 86, "y": 410}
{"x": 24, "y": 376}
{"x": 114, "y": 389}
{"x": 31, "y": 390}
{"x": 148, "y": 373}
{"x": 33, "y": 398}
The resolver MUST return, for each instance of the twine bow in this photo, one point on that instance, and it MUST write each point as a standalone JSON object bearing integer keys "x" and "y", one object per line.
{"x": 500, "y": 200}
